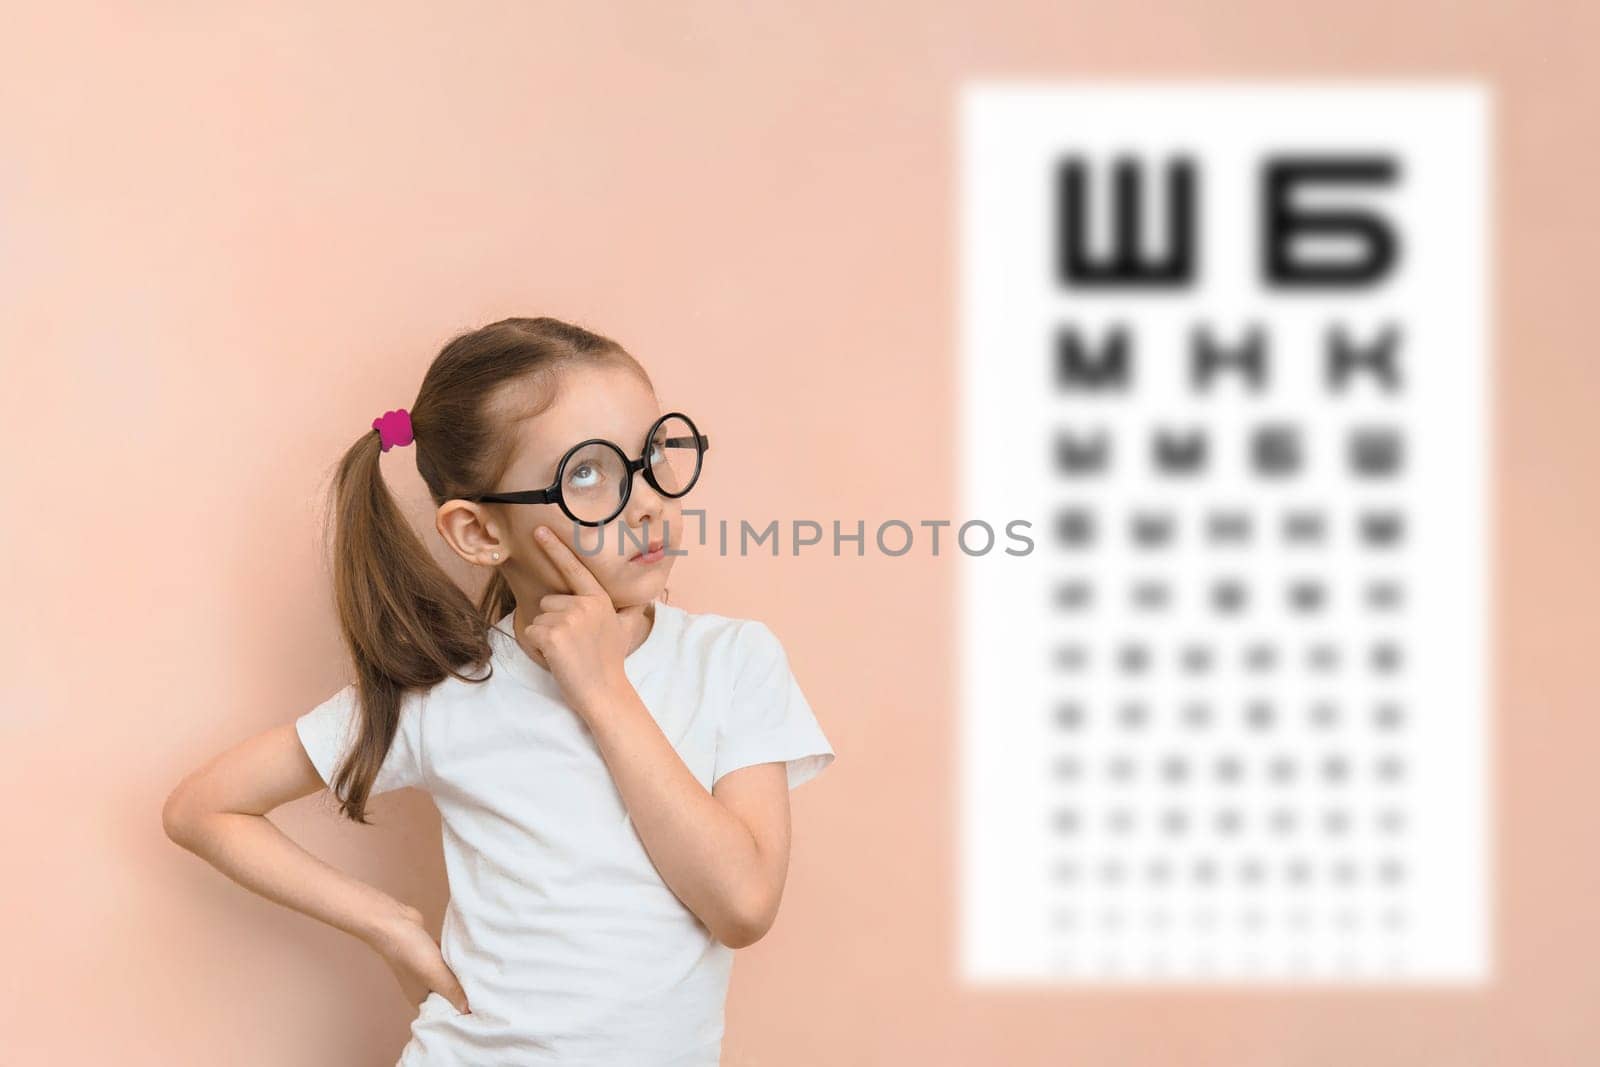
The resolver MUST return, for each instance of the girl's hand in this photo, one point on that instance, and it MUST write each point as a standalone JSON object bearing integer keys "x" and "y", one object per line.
{"x": 417, "y": 963}
{"x": 580, "y": 635}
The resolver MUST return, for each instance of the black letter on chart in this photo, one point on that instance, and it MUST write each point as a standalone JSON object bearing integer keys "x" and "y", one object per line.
{"x": 1282, "y": 223}
{"x": 1126, "y": 265}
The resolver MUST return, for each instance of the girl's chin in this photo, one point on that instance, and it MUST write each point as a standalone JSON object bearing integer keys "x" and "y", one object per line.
{"x": 641, "y": 577}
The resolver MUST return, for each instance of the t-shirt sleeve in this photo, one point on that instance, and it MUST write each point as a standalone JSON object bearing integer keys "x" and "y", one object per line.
{"x": 328, "y": 731}
{"x": 768, "y": 718}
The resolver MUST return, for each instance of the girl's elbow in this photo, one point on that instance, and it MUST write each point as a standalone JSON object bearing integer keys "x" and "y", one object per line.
{"x": 742, "y": 935}
{"x": 750, "y": 924}
{"x": 178, "y": 819}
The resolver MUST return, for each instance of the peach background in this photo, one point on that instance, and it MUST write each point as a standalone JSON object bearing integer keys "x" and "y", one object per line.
{"x": 231, "y": 235}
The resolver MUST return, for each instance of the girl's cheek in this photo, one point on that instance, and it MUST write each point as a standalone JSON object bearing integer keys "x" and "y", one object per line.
{"x": 585, "y": 543}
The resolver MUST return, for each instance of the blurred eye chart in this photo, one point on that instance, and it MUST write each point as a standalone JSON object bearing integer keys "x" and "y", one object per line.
{"x": 1224, "y": 345}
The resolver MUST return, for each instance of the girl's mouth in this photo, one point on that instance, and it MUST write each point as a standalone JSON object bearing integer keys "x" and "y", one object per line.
{"x": 654, "y": 552}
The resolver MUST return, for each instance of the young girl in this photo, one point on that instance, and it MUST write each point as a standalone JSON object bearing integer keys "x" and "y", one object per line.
{"x": 611, "y": 771}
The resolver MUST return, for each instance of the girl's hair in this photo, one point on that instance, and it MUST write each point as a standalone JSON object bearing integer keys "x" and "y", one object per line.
{"x": 405, "y": 622}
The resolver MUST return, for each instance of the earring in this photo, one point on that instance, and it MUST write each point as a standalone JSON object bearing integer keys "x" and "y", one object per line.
{"x": 497, "y": 555}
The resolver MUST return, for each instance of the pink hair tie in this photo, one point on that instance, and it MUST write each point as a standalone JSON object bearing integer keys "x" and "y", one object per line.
{"x": 394, "y": 428}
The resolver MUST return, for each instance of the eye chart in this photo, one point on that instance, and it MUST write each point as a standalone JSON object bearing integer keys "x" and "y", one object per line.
{"x": 1224, "y": 345}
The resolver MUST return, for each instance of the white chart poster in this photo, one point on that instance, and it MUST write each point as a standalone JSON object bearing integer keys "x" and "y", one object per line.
{"x": 1225, "y": 346}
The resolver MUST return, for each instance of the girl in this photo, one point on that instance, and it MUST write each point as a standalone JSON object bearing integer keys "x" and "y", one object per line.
{"x": 611, "y": 771}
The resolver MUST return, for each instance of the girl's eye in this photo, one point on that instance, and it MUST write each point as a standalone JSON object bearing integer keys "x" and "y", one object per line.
{"x": 584, "y": 476}
{"x": 657, "y": 454}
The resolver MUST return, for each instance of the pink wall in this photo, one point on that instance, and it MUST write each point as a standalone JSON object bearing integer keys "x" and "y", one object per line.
{"x": 230, "y": 235}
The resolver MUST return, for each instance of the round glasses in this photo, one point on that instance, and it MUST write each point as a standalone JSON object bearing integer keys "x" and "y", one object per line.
{"x": 595, "y": 477}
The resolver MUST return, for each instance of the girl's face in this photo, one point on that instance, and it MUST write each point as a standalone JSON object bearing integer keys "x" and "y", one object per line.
{"x": 610, "y": 403}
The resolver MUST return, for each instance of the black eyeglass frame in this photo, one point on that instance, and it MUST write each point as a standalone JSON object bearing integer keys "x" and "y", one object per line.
{"x": 552, "y": 494}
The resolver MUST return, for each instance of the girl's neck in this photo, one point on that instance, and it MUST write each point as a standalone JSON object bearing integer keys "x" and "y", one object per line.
{"x": 646, "y": 622}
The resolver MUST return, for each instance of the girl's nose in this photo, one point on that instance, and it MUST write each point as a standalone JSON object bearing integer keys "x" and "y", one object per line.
{"x": 644, "y": 505}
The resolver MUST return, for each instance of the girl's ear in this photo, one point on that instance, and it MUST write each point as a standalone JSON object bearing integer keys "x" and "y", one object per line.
{"x": 464, "y": 527}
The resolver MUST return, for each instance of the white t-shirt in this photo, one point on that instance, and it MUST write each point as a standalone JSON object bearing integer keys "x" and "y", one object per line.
{"x": 570, "y": 947}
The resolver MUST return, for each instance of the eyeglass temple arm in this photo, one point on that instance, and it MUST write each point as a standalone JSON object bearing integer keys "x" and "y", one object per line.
{"x": 687, "y": 442}
{"x": 526, "y": 496}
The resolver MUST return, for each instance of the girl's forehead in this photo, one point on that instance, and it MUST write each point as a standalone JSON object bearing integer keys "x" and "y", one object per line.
{"x": 592, "y": 402}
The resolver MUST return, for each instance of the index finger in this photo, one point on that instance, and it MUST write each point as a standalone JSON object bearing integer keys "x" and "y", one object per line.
{"x": 580, "y": 578}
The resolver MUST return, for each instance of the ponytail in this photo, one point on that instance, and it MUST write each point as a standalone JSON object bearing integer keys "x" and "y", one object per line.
{"x": 405, "y": 623}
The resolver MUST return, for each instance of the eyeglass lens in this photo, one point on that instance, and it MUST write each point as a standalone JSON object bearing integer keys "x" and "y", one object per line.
{"x": 675, "y": 456}
{"x": 593, "y": 482}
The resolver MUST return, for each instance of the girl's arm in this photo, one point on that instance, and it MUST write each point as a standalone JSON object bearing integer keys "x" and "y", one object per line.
{"x": 725, "y": 853}
{"x": 219, "y": 812}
